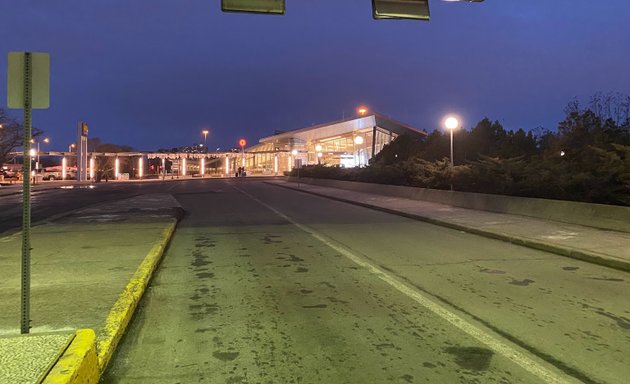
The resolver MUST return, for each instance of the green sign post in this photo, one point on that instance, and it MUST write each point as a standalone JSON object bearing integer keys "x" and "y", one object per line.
{"x": 28, "y": 88}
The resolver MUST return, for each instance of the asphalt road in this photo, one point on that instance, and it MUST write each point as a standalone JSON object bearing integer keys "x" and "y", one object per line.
{"x": 67, "y": 197}
{"x": 267, "y": 285}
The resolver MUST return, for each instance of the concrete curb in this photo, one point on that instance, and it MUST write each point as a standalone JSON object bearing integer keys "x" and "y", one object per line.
{"x": 592, "y": 258}
{"x": 87, "y": 356}
{"x": 78, "y": 363}
{"x": 122, "y": 311}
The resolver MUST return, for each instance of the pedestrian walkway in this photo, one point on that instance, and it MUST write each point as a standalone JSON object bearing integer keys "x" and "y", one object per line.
{"x": 80, "y": 265}
{"x": 604, "y": 247}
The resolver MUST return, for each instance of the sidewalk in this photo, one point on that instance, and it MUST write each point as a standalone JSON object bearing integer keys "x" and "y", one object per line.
{"x": 603, "y": 247}
{"x": 81, "y": 266}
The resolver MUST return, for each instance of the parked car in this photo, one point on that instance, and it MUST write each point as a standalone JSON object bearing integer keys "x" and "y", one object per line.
{"x": 57, "y": 175}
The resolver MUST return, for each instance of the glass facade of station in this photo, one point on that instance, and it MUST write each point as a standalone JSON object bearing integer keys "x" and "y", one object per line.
{"x": 347, "y": 143}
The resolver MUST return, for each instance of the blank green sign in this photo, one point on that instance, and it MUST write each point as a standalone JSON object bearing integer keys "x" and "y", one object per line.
{"x": 40, "y": 74}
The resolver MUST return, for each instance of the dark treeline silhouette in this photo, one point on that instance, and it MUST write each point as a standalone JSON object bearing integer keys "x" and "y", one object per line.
{"x": 586, "y": 159}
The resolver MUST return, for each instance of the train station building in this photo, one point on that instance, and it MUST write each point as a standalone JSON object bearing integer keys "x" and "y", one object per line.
{"x": 346, "y": 143}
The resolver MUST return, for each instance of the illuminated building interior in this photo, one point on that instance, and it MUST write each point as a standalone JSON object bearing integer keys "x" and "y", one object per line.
{"x": 346, "y": 143}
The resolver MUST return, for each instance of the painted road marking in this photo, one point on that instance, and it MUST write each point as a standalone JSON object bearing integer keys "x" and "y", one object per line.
{"x": 493, "y": 342}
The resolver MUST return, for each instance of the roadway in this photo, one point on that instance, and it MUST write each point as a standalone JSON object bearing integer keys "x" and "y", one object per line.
{"x": 267, "y": 285}
{"x": 68, "y": 196}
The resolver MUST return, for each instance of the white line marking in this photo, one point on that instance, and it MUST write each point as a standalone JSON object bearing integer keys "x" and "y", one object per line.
{"x": 484, "y": 337}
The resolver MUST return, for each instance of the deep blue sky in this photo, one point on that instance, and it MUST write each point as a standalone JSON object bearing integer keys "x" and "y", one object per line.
{"x": 154, "y": 73}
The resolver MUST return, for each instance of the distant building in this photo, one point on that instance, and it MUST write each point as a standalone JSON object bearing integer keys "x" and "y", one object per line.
{"x": 347, "y": 143}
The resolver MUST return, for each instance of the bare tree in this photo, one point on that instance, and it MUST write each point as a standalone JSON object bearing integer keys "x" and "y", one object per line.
{"x": 11, "y": 136}
{"x": 612, "y": 105}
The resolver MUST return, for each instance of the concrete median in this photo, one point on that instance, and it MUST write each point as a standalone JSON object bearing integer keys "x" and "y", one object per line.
{"x": 90, "y": 270}
{"x": 78, "y": 364}
{"x": 124, "y": 308}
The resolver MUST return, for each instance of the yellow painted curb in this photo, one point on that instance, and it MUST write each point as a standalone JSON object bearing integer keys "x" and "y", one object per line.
{"x": 122, "y": 311}
{"x": 78, "y": 363}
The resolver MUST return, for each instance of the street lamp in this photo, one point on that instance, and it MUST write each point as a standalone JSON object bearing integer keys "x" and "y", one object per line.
{"x": 46, "y": 140}
{"x": 32, "y": 153}
{"x": 451, "y": 124}
{"x": 362, "y": 110}
{"x": 294, "y": 153}
{"x": 71, "y": 146}
{"x": 358, "y": 140}
{"x": 205, "y": 136}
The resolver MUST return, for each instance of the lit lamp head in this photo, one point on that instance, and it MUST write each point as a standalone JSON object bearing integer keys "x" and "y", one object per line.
{"x": 318, "y": 148}
{"x": 294, "y": 152}
{"x": 46, "y": 140}
{"x": 319, "y": 154}
{"x": 358, "y": 140}
{"x": 451, "y": 123}
{"x": 33, "y": 152}
{"x": 362, "y": 111}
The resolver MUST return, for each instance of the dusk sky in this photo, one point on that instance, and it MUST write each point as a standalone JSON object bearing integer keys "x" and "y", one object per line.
{"x": 155, "y": 73}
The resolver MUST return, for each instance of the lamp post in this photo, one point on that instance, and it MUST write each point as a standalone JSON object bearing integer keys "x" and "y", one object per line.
{"x": 205, "y": 137}
{"x": 358, "y": 140}
{"x": 451, "y": 123}
{"x": 46, "y": 140}
{"x": 294, "y": 153}
{"x": 318, "y": 151}
{"x": 32, "y": 154}
{"x": 71, "y": 146}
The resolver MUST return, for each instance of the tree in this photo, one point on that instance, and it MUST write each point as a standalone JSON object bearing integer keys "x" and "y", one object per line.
{"x": 400, "y": 149}
{"x": 11, "y": 136}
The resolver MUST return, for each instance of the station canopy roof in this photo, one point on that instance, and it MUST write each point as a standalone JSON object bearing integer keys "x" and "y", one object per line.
{"x": 344, "y": 127}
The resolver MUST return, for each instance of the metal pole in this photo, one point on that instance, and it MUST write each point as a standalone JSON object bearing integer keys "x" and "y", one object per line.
{"x": 26, "y": 200}
{"x": 451, "y": 150}
{"x": 36, "y": 164}
{"x": 451, "y": 158}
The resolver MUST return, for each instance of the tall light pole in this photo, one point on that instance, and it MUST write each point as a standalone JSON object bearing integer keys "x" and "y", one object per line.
{"x": 318, "y": 152}
{"x": 451, "y": 123}
{"x": 358, "y": 140}
{"x": 46, "y": 140}
{"x": 32, "y": 154}
{"x": 294, "y": 152}
{"x": 205, "y": 137}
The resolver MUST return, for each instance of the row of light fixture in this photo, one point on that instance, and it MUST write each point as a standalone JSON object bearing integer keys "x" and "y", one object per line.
{"x": 381, "y": 9}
